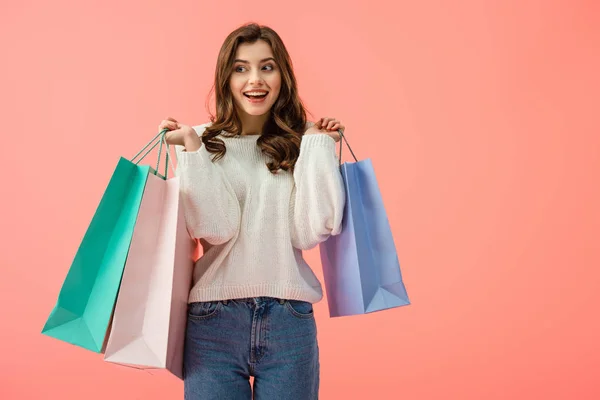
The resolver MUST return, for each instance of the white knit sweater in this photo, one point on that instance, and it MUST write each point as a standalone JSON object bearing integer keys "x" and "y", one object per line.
{"x": 255, "y": 224}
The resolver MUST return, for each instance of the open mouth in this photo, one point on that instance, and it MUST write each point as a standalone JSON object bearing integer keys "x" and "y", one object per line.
{"x": 256, "y": 95}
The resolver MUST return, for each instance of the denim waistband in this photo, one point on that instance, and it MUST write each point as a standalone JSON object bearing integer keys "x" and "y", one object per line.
{"x": 255, "y": 300}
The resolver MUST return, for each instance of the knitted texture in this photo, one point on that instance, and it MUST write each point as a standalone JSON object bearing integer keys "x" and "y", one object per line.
{"x": 254, "y": 224}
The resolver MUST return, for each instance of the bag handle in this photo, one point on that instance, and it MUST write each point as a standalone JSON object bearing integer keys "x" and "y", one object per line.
{"x": 144, "y": 148}
{"x": 343, "y": 139}
{"x": 154, "y": 142}
{"x": 163, "y": 138}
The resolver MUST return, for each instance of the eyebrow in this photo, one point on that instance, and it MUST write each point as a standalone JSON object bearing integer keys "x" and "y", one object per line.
{"x": 248, "y": 62}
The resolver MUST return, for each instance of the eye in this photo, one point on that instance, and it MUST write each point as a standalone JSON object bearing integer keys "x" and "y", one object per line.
{"x": 271, "y": 66}
{"x": 237, "y": 69}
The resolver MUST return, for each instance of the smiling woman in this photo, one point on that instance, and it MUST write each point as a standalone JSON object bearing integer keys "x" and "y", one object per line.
{"x": 260, "y": 186}
{"x": 255, "y": 84}
{"x": 254, "y": 61}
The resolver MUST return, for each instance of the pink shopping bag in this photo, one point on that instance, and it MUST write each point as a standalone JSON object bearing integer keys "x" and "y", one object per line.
{"x": 149, "y": 322}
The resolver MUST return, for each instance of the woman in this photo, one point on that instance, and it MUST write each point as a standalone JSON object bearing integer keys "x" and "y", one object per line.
{"x": 259, "y": 185}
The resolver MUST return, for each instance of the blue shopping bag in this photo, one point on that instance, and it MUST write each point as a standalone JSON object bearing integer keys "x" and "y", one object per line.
{"x": 360, "y": 265}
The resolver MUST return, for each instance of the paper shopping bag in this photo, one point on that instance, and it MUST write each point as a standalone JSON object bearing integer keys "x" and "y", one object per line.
{"x": 148, "y": 327}
{"x": 83, "y": 311}
{"x": 361, "y": 269}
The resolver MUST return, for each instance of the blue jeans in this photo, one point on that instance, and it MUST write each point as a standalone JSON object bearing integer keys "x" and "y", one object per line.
{"x": 273, "y": 340}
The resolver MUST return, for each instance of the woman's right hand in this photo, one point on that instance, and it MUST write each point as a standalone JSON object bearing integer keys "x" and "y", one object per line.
{"x": 182, "y": 135}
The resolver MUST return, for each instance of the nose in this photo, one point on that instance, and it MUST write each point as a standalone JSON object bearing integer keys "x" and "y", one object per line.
{"x": 255, "y": 79}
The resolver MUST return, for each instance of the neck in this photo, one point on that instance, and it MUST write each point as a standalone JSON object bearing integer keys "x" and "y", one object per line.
{"x": 253, "y": 124}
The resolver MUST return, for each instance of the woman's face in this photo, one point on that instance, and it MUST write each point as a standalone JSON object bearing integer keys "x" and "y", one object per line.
{"x": 255, "y": 72}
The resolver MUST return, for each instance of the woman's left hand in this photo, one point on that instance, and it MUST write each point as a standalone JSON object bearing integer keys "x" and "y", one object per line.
{"x": 328, "y": 126}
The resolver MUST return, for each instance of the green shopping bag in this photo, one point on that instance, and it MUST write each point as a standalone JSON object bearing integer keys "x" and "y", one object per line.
{"x": 85, "y": 304}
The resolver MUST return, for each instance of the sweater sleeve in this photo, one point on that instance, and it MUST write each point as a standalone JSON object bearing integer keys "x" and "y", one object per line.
{"x": 211, "y": 209}
{"x": 318, "y": 197}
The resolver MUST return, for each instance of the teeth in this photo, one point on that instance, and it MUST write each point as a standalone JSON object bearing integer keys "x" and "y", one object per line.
{"x": 255, "y": 93}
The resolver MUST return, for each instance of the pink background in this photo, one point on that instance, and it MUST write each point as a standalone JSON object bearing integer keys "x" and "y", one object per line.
{"x": 481, "y": 118}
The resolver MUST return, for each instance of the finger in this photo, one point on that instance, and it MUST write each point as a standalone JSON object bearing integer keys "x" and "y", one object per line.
{"x": 330, "y": 124}
{"x": 171, "y": 119}
{"x": 167, "y": 125}
{"x": 335, "y": 126}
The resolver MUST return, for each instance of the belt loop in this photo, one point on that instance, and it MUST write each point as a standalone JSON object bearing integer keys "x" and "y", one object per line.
{"x": 224, "y": 302}
{"x": 281, "y": 301}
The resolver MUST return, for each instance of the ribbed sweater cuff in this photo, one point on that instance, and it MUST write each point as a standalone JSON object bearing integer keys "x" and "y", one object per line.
{"x": 318, "y": 140}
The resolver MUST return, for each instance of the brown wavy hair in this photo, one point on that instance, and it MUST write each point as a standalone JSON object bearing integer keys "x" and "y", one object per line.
{"x": 284, "y": 128}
